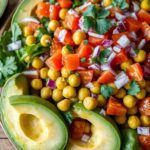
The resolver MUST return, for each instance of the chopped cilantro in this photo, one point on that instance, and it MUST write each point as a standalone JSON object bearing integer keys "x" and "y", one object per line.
{"x": 40, "y": 32}
{"x": 91, "y": 11}
{"x": 106, "y": 91}
{"x": 68, "y": 116}
{"x": 77, "y": 3}
{"x": 69, "y": 47}
{"x": 120, "y": 3}
{"x": 52, "y": 1}
{"x": 103, "y": 25}
{"x": 136, "y": 51}
{"x": 85, "y": 42}
{"x": 103, "y": 13}
{"x": 134, "y": 88}
{"x": 83, "y": 60}
{"x": 45, "y": 21}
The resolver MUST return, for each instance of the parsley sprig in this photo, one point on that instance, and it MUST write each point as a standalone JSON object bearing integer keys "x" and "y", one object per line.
{"x": 134, "y": 88}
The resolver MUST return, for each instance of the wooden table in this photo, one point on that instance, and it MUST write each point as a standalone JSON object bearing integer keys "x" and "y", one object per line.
{"x": 4, "y": 142}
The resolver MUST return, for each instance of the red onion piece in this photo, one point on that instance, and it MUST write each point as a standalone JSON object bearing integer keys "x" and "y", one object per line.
{"x": 133, "y": 15}
{"x": 51, "y": 84}
{"x": 143, "y": 130}
{"x": 105, "y": 67}
{"x": 111, "y": 57}
{"x": 93, "y": 95}
{"x": 62, "y": 34}
{"x": 117, "y": 48}
{"x": 85, "y": 138}
{"x": 44, "y": 56}
{"x": 119, "y": 16}
{"x": 141, "y": 44}
{"x": 81, "y": 68}
{"x": 30, "y": 19}
{"x": 133, "y": 35}
{"x": 102, "y": 112}
{"x": 86, "y": 4}
{"x": 123, "y": 41}
{"x": 93, "y": 34}
{"x": 107, "y": 43}
{"x": 89, "y": 85}
{"x": 31, "y": 74}
{"x": 96, "y": 51}
{"x": 135, "y": 6}
{"x": 14, "y": 46}
{"x": 121, "y": 26}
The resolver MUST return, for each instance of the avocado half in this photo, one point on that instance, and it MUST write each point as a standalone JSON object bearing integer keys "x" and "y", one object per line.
{"x": 30, "y": 122}
{"x": 105, "y": 135}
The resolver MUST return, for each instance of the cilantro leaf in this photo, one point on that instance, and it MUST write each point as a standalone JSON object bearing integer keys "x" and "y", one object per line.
{"x": 68, "y": 116}
{"x": 69, "y": 47}
{"x": 120, "y": 3}
{"x": 91, "y": 11}
{"x": 16, "y": 32}
{"x": 103, "y": 26}
{"x": 106, "y": 91}
{"x": 83, "y": 60}
{"x": 77, "y": 3}
{"x": 52, "y": 1}
{"x": 45, "y": 21}
{"x": 134, "y": 88}
{"x": 103, "y": 13}
{"x": 40, "y": 32}
{"x": 88, "y": 22}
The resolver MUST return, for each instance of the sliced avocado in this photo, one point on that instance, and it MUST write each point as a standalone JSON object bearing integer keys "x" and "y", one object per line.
{"x": 3, "y": 4}
{"x": 24, "y": 10}
{"x": 31, "y": 123}
{"x": 105, "y": 135}
{"x": 39, "y": 124}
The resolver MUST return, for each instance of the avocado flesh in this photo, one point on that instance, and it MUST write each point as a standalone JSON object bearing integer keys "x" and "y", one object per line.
{"x": 30, "y": 122}
{"x": 3, "y": 4}
{"x": 105, "y": 136}
{"x": 24, "y": 10}
{"x": 39, "y": 124}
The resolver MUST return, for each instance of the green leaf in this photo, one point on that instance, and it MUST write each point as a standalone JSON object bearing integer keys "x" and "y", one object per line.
{"x": 52, "y": 1}
{"x": 40, "y": 32}
{"x": 120, "y": 3}
{"x": 45, "y": 21}
{"x": 16, "y": 32}
{"x": 134, "y": 88}
{"x": 69, "y": 47}
{"x": 91, "y": 11}
{"x": 106, "y": 91}
{"x": 103, "y": 13}
{"x": 88, "y": 23}
{"x": 103, "y": 26}
{"x": 137, "y": 51}
{"x": 77, "y": 3}
{"x": 83, "y": 60}
{"x": 68, "y": 116}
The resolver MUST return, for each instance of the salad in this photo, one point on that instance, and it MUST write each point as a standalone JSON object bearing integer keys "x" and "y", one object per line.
{"x": 75, "y": 75}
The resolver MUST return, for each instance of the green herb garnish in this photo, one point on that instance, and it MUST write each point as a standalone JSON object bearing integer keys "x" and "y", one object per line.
{"x": 134, "y": 88}
{"x": 106, "y": 91}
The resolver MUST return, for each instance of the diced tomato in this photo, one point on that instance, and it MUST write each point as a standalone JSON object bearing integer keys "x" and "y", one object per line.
{"x": 119, "y": 58}
{"x": 116, "y": 37}
{"x": 144, "y": 16}
{"x": 114, "y": 107}
{"x": 65, "y": 3}
{"x": 71, "y": 61}
{"x": 86, "y": 76}
{"x": 144, "y": 106}
{"x": 67, "y": 38}
{"x": 144, "y": 142}
{"x": 42, "y": 9}
{"x": 72, "y": 21}
{"x": 146, "y": 30}
{"x": 106, "y": 77}
{"x": 54, "y": 12}
{"x": 84, "y": 50}
{"x": 55, "y": 61}
{"x": 132, "y": 24}
{"x": 135, "y": 72}
{"x": 33, "y": 26}
{"x": 77, "y": 129}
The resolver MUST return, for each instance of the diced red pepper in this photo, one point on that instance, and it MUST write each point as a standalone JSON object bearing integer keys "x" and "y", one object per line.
{"x": 55, "y": 61}
{"x": 132, "y": 24}
{"x": 86, "y": 76}
{"x": 42, "y": 9}
{"x": 65, "y": 3}
{"x": 115, "y": 108}
{"x": 106, "y": 77}
{"x": 146, "y": 30}
{"x": 135, "y": 72}
{"x": 144, "y": 142}
{"x": 144, "y": 16}
{"x": 72, "y": 21}
{"x": 33, "y": 26}
{"x": 71, "y": 61}
{"x": 54, "y": 12}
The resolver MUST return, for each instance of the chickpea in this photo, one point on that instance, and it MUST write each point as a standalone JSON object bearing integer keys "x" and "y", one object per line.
{"x": 66, "y": 51}
{"x": 115, "y": 90}
{"x": 101, "y": 100}
{"x": 96, "y": 88}
{"x": 65, "y": 73}
{"x": 134, "y": 122}
{"x": 53, "y": 74}
{"x": 121, "y": 119}
{"x": 37, "y": 63}
{"x": 148, "y": 86}
{"x": 45, "y": 40}
{"x": 140, "y": 57}
{"x": 64, "y": 105}
{"x": 74, "y": 80}
{"x": 132, "y": 111}
{"x": 145, "y": 4}
{"x": 30, "y": 40}
{"x": 62, "y": 13}
{"x": 121, "y": 93}
{"x": 126, "y": 64}
{"x": 142, "y": 83}
{"x": 46, "y": 92}
{"x": 145, "y": 120}
{"x": 141, "y": 94}
{"x": 107, "y": 3}
{"x": 90, "y": 103}
{"x": 36, "y": 84}
{"x": 53, "y": 25}
{"x": 78, "y": 37}
{"x": 57, "y": 95}
{"x": 27, "y": 31}
{"x": 129, "y": 101}
{"x": 69, "y": 92}
{"x": 44, "y": 73}
{"x": 83, "y": 93}
{"x": 61, "y": 83}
